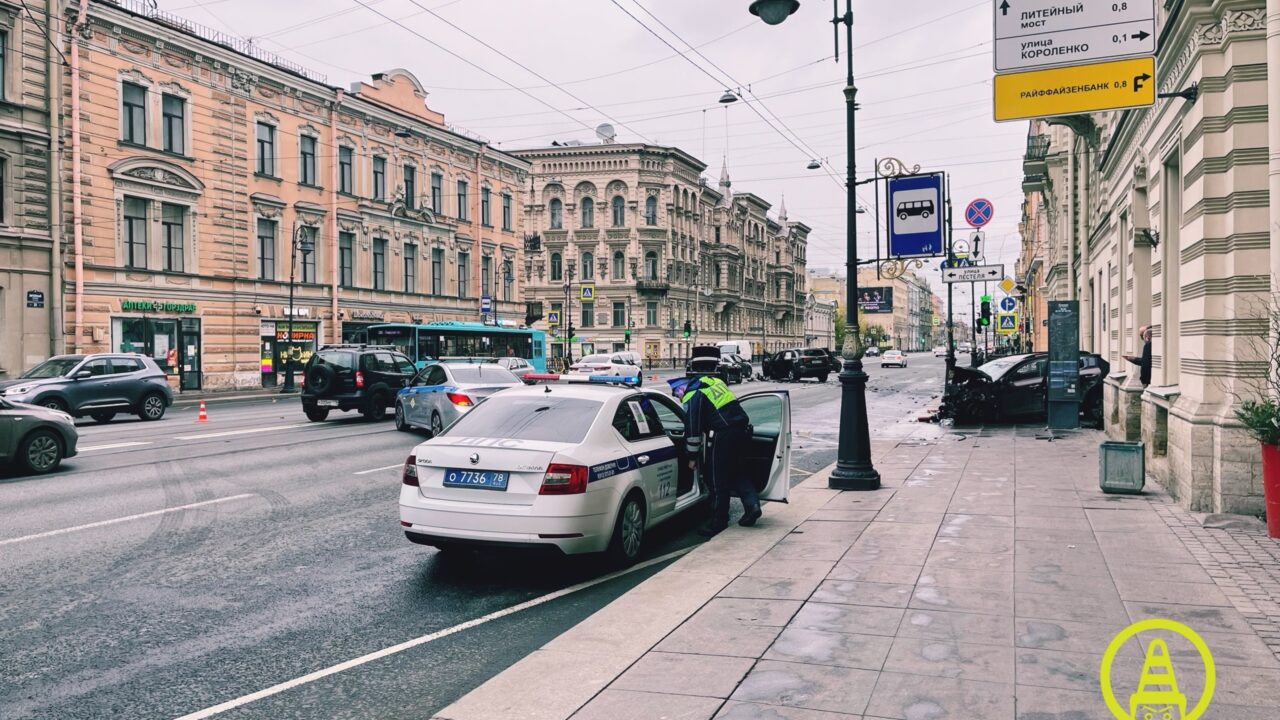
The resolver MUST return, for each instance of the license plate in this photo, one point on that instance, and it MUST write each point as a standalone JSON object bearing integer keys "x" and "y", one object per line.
{"x": 327, "y": 403}
{"x": 480, "y": 479}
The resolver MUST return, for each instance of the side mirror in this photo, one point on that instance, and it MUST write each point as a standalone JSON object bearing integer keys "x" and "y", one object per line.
{"x": 82, "y": 375}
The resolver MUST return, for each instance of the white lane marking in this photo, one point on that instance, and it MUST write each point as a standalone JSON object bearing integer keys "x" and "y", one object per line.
{"x": 388, "y": 467}
{"x": 111, "y": 446}
{"x": 139, "y": 516}
{"x": 379, "y": 654}
{"x": 246, "y": 431}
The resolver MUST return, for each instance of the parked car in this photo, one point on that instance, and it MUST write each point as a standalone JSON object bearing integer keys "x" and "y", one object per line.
{"x": 516, "y": 366}
{"x": 834, "y": 361}
{"x": 443, "y": 392}
{"x": 35, "y": 438}
{"x": 99, "y": 385}
{"x": 617, "y": 364}
{"x": 707, "y": 360}
{"x": 364, "y": 378}
{"x": 939, "y": 350}
{"x": 1013, "y": 388}
{"x": 893, "y": 358}
{"x": 745, "y": 370}
{"x": 872, "y": 351}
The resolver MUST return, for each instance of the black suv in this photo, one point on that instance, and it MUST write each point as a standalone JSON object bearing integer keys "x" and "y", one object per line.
{"x": 798, "y": 363}
{"x": 354, "y": 377}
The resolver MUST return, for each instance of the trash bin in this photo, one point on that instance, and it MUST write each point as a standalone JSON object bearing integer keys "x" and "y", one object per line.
{"x": 1122, "y": 467}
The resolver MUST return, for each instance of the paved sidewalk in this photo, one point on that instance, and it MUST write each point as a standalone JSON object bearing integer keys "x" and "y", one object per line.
{"x": 983, "y": 581}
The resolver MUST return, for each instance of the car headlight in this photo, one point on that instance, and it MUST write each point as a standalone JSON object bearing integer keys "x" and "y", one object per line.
{"x": 19, "y": 390}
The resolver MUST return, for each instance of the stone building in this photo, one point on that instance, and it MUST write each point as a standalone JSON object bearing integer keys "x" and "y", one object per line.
{"x": 1161, "y": 216}
{"x": 901, "y": 308}
{"x": 820, "y": 323}
{"x": 628, "y": 243}
{"x": 207, "y": 164}
{"x": 30, "y": 300}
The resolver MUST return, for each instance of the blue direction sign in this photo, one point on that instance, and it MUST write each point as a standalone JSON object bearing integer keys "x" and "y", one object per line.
{"x": 1008, "y": 304}
{"x": 915, "y": 222}
{"x": 979, "y": 212}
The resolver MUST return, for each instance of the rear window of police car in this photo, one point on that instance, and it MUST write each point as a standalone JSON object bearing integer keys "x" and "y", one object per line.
{"x": 529, "y": 418}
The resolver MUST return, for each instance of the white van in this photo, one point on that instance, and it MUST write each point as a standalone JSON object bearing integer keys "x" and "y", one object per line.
{"x": 735, "y": 347}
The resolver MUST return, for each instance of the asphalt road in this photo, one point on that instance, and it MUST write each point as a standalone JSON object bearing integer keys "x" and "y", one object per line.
{"x": 225, "y": 558}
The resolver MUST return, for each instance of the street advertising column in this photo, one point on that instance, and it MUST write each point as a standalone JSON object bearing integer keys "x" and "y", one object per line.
{"x": 1063, "y": 381}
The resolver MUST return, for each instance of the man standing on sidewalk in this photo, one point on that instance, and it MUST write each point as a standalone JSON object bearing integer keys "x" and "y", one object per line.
{"x": 712, "y": 408}
{"x": 1143, "y": 361}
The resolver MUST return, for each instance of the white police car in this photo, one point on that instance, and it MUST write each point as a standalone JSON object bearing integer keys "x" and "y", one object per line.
{"x": 579, "y": 466}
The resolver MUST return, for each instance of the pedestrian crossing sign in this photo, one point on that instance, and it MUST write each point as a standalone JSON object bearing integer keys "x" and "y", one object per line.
{"x": 588, "y": 293}
{"x": 1007, "y": 323}
{"x": 553, "y": 318}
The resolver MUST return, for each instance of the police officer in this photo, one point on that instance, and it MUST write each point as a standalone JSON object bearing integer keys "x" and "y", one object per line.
{"x": 711, "y": 407}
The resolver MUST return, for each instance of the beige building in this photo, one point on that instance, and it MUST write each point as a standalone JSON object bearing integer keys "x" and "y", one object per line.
{"x": 820, "y": 324}
{"x": 1161, "y": 216}
{"x": 30, "y": 300}
{"x": 630, "y": 243}
{"x": 203, "y": 163}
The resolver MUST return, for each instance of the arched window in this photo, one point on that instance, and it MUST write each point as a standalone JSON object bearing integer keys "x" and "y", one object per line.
{"x": 619, "y": 266}
{"x": 651, "y": 265}
{"x": 557, "y": 268}
{"x": 557, "y": 212}
{"x": 587, "y": 272}
{"x": 651, "y": 211}
{"x": 619, "y": 219}
{"x": 588, "y": 212}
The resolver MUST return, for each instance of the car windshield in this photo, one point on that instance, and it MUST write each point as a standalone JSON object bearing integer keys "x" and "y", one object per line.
{"x": 996, "y": 369}
{"x": 815, "y": 353}
{"x": 543, "y": 417}
{"x": 483, "y": 374}
{"x": 53, "y": 367}
{"x": 595, "y": 360}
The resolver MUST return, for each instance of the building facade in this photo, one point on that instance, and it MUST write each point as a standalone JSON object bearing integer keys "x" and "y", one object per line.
{"x": 897, "y": 311}
{"x": 629, "y": 245}
{"x": 820, "y": 324}
{"x": 208, "y": 170}
{"x": 1162, "y": 217}
{"x": 30, "y": 300}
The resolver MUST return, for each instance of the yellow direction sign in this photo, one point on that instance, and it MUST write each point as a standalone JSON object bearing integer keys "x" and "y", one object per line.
{"x": 1007, "y": 285}
{"x": 1076, "y": 89}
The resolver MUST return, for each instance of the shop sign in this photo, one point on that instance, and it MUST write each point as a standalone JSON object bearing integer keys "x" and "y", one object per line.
{"x": 299, "y": 334}
{"x": 296, "y": 312}
{"x": 156, "y": 306}
{"x": 366, "y": 314}
{"x": 266, "y": 328}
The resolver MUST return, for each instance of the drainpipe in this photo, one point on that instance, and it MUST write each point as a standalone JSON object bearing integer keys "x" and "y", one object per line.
{"x": 57, "y": 338}
{"x": 77, "y": 194}
{"x": 1273, "y": 138}
{"x": 336, "y": 333}
{"x": 479, "y": 228}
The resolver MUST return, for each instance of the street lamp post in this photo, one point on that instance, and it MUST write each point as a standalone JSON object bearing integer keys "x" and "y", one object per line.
{"x": 303, "y": 243}
{"x": 854, "y": 470}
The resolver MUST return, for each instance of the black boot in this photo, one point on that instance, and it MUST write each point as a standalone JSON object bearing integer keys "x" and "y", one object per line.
{"x": 750, "y": 516}
{"x": 711, "y": 528}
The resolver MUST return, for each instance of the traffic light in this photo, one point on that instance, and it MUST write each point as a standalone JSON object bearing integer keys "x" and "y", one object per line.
{"x": 688, "y": 329}
{"x": 569, "y": 332}
{"x": 626, "y": 334}
{"x": 986, "y": 310}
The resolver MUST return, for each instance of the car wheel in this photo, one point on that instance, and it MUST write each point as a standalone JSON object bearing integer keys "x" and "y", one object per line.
{"x": 437, "y": 424}
{"x": 376, "y": 411}
{"x": 628, "y": 531}
{"x": 317, "y": 414}
{"x": 796, "y": 376}
{"x": 41, "y": 451}
{"x": 402, "y": 424}
{"x": 55, "y": 404}
{"x": 822, "y": 377}
{"x": 152, "y": 407}
{"x": 102, "y": 417}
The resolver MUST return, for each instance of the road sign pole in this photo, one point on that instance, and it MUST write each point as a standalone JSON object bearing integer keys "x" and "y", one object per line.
{"x": 951, "y": 326}
{"x": 973, "y": 319}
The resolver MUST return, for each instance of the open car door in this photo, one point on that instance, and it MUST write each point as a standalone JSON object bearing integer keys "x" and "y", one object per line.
{"x": 767, "y": 460}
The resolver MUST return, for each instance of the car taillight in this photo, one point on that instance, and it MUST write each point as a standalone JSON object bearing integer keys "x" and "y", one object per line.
{"x": 460, "y": 399}
{"x": 410, "y": 474}
{"x": 359, "y": 379}
{"x": 564, "y": 480}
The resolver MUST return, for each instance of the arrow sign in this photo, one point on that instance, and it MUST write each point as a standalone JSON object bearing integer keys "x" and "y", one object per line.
{"x": 1141, "y": 35}
{"x": 1008, "y": 304}
{"x": 1004, "y": 7}
{"x": 1049, "y": 33}
{"x": 975, "y": 273}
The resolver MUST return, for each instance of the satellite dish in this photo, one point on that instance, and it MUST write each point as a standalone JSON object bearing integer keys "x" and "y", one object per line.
{"x": 606, "y": 133}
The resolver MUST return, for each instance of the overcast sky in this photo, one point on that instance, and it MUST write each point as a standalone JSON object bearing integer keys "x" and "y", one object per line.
{"x": 923, "y": 72}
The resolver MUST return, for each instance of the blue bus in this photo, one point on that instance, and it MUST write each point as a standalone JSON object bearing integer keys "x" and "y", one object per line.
{"x": 453, "y": 339}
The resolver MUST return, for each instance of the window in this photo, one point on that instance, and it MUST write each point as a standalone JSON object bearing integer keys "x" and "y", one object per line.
{"x": 379, "y": 264}
{"x": 651, "y": 265}
{"x": 551, "y": 418}
{"x": 172, "y": 222}
{"x": 411, "y": 187}
{"x": 346, "y": 259}
{"x": 651, "y": 313}
{"x": 588, "y": 314}
{"x": 464, "y": 271}
{"x": 173, "y": 111}
{"x": 4, "y": 48}
{"x": 266, "y": 149}
{"x": 4, "y": 173}
{"x": 437, "y": 193}
{"x": 486, "y": 215}
{"x": 307, "y": 160}
{"x": 135, "y": 232}
{"x": 588, "y": 212}
{"x": 619, "y": 218}
{"x": 133, "y": 120}
{"x": 437, "y": 271}
{"x": 557, "y": 269}
{"x": 557, "y": 209}
{"x": 464, "y": 210}
{"x": 506, "y": 211}
{"x": 717, "y": 234}
{"x": 651, "y": 211}
{"x": 309, "y": 259}
{"x": 508, "y": 277}
{"x": 619, "y": 314}
{"x": 486, "y": 268}
{"x": 410, "y": 268}
{"x": 345, "y": 179}
{"x": 588, "y": 273}
{"x": 627, "y": 420}
{"x": 619, "y": 266}
{"x": 266, "y": 249}
{"x": 379, "y": 178}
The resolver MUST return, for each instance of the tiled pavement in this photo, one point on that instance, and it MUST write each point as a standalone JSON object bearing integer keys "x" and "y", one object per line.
{"x": 983, "y": 581}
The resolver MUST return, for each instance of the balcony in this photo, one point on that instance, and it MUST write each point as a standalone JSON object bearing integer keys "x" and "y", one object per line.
{"x": 652, "y": 287}
{"x": 1034, "y": 164}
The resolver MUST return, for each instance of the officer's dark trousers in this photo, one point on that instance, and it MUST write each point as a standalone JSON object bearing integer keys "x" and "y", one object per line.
{"x": 728, "y": 474}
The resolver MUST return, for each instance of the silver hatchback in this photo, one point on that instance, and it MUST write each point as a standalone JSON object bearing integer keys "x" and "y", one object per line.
{"x": 442, "y": 392}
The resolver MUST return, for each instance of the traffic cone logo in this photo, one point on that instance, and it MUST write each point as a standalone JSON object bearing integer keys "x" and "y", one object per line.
{"x": 1157, "y": 696}
{"x": 204, "y": 414}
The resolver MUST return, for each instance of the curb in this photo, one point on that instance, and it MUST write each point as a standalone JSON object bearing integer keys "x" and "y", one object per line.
{"x": 181, "y": 401}
{"x": 600, "y": 648}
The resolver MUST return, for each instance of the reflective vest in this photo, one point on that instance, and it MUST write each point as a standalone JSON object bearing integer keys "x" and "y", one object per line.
{"x": 724, "y": 410}
{"x": 716, "y": 391}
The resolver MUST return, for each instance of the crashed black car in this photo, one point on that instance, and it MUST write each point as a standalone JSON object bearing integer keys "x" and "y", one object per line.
{"x": 1013, "y": 388}
{"x": 707, "y": 360}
